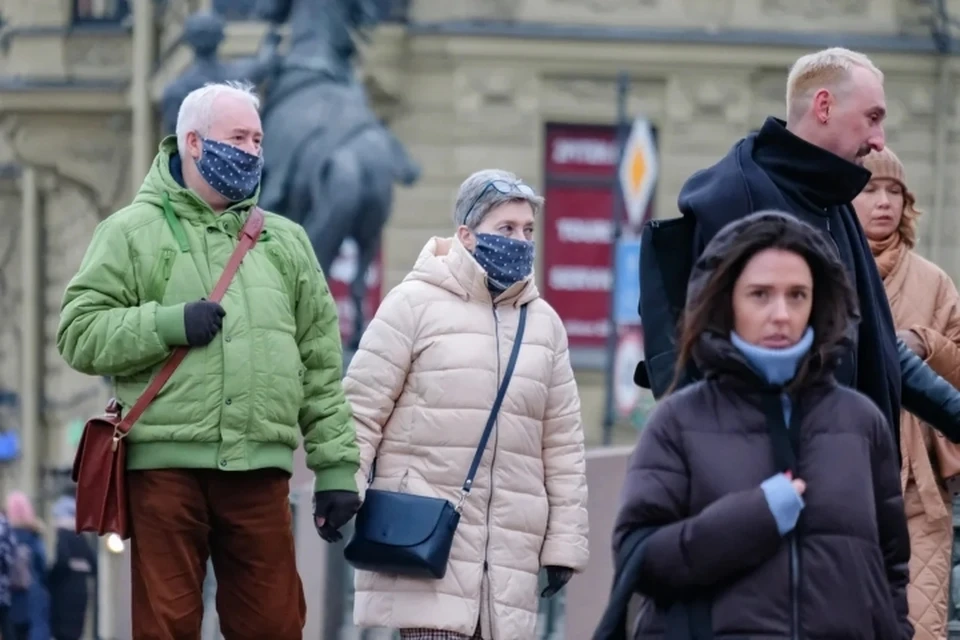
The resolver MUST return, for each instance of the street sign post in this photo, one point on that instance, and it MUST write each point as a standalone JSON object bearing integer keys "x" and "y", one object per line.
{"x": 637, "y": 179}
{"x": 638, "y": 170}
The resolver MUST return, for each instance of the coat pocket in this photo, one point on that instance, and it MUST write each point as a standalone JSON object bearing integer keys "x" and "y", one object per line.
{"x": 160, "y": 275}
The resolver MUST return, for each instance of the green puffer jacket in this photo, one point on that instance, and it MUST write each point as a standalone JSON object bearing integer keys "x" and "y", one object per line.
{"x": 235, "y": 404}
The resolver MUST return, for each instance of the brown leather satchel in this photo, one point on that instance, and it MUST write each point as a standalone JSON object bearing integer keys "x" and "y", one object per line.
{"x": 100, "y": 466}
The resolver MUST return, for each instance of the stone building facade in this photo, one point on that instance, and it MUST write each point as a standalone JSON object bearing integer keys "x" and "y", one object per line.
{"x": 466, "y": 84}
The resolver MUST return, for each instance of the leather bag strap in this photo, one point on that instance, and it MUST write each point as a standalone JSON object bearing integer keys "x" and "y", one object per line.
{"x": 495, "y": 411}
{"x": 249, "y": 235}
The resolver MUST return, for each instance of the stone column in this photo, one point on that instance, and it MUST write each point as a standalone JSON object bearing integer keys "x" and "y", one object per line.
{"x": 143, "y": 140}
{"x": 32, "y": 330}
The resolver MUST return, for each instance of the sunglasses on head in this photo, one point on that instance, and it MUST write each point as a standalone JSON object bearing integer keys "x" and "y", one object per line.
{"x": 506, "y": 188}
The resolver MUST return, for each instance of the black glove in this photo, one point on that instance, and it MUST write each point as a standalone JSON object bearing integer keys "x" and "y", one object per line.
{"x": 202, "y": 321}
{"x": 332, "y": 510}
{"x": 557, "y": 577}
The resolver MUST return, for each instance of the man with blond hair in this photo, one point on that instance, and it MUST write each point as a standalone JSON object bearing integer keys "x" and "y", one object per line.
{"x": 808, "y": 165}
{"x": 209, "y": 462}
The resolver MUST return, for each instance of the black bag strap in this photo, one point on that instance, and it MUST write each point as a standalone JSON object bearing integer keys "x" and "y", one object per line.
{"x": 495, "y": 410}
{"x": 785, "y": 439}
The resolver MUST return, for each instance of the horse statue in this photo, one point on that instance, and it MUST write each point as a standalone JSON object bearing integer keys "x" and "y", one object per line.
{"x": 330, "y": 163}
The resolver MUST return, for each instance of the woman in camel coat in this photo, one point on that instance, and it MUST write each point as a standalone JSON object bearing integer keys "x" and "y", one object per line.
{"x": 422, "y": 385}
{"x": 926, "y": 311}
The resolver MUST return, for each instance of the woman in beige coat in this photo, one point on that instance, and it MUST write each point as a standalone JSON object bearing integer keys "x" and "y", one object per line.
{"x": 422, "y": 385}
{"x": 926, "y": 312}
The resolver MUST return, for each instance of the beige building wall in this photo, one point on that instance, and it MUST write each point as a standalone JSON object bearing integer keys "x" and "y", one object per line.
{"x": 77, "y": 116}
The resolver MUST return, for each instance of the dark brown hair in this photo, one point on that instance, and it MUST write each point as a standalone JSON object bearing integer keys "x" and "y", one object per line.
{"x": 709, "y": 306}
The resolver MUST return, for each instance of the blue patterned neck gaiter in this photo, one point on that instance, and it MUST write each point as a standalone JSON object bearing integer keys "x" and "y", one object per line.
{"x": 506, "y": 261}
{"x": 232, "y": 172}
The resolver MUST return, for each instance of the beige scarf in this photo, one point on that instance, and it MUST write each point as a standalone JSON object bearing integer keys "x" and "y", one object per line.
{"x": 887, "y": 253}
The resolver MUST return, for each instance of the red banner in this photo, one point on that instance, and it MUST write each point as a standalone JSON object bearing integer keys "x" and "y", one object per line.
{"x": 339, "y": 279}
{"x": 581, "y": 169}
{"x": 577, "y": 260}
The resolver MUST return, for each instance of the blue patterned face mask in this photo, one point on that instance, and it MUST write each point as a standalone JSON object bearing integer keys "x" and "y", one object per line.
{"x": 231, "y": 171}
{"x": 506, "y": 260}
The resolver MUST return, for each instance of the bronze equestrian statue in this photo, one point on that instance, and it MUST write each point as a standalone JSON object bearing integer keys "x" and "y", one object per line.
{"x": 330, "y": 164}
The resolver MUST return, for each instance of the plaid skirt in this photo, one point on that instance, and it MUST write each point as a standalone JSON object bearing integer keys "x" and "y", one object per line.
{"x": 438, "y": 634}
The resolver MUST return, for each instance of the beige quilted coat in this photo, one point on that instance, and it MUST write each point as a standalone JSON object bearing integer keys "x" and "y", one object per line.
{"x": 421, "y": 386}
{"x": 924, "y": 299}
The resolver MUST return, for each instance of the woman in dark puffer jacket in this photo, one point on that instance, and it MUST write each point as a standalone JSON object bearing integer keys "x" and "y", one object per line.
{"x": 768, "y": 496}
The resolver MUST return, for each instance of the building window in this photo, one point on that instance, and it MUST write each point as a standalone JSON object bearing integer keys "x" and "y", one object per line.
{"x": 99, "y": 11}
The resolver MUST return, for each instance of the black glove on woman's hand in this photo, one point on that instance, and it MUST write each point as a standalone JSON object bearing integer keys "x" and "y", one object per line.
{"x": 202, "y": 321}
{"x": 332, "y": 510}
{"x": 557, "y": 577}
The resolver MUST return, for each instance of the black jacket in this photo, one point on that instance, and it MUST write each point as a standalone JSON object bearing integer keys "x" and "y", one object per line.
{"x": 737, "y": 186}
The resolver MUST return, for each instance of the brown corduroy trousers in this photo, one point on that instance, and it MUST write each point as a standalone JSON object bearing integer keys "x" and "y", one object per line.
{"x": 239, "y": 520}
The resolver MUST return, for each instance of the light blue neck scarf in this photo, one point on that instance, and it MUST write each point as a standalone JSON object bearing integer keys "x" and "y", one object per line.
{"x": 776, "y": 366}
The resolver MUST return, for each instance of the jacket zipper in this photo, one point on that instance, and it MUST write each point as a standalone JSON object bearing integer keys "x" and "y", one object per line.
{"x": 167, "y": 269}
{"x": 493, "y": 459}
{"x": 795, "y": 587}
{"x": 795, "y": 543}
{"x": 836, "y": 245}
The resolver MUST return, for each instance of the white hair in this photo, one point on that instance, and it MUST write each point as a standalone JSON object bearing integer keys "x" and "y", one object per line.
{"x": 823, "y": 69}
{"x": 197, "y": 113}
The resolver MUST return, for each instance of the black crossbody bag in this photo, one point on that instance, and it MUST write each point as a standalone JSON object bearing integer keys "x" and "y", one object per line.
{"x": 411, "y": 535}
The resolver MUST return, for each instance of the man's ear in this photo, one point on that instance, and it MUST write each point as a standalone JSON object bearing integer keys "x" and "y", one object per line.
{"x": 194, "y": 145}
{"x": 466, "y": 238}
{"x": 822, "y": 105}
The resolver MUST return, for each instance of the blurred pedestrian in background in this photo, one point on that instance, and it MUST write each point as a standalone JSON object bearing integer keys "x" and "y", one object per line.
{"x": 74, "y": 564}
{"x": 30, "y": 604}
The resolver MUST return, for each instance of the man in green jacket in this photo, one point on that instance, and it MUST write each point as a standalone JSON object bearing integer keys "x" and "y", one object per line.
{"x": 210, "y": 460}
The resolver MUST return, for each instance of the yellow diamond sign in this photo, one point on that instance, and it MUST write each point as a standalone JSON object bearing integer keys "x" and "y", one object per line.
{"x": 638, "y": 171}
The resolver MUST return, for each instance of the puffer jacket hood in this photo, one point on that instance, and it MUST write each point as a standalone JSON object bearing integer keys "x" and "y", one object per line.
{"x": 835, "y": 303}
{"x": 446, "y": 263}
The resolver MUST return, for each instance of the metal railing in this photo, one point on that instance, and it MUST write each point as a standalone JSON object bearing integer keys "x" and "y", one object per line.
{"x": 100, "y": 12}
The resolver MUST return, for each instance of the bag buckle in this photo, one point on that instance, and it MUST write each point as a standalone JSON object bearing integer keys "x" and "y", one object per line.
{"x": 463, "y": 497}
{"x": 118, "y": 435}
